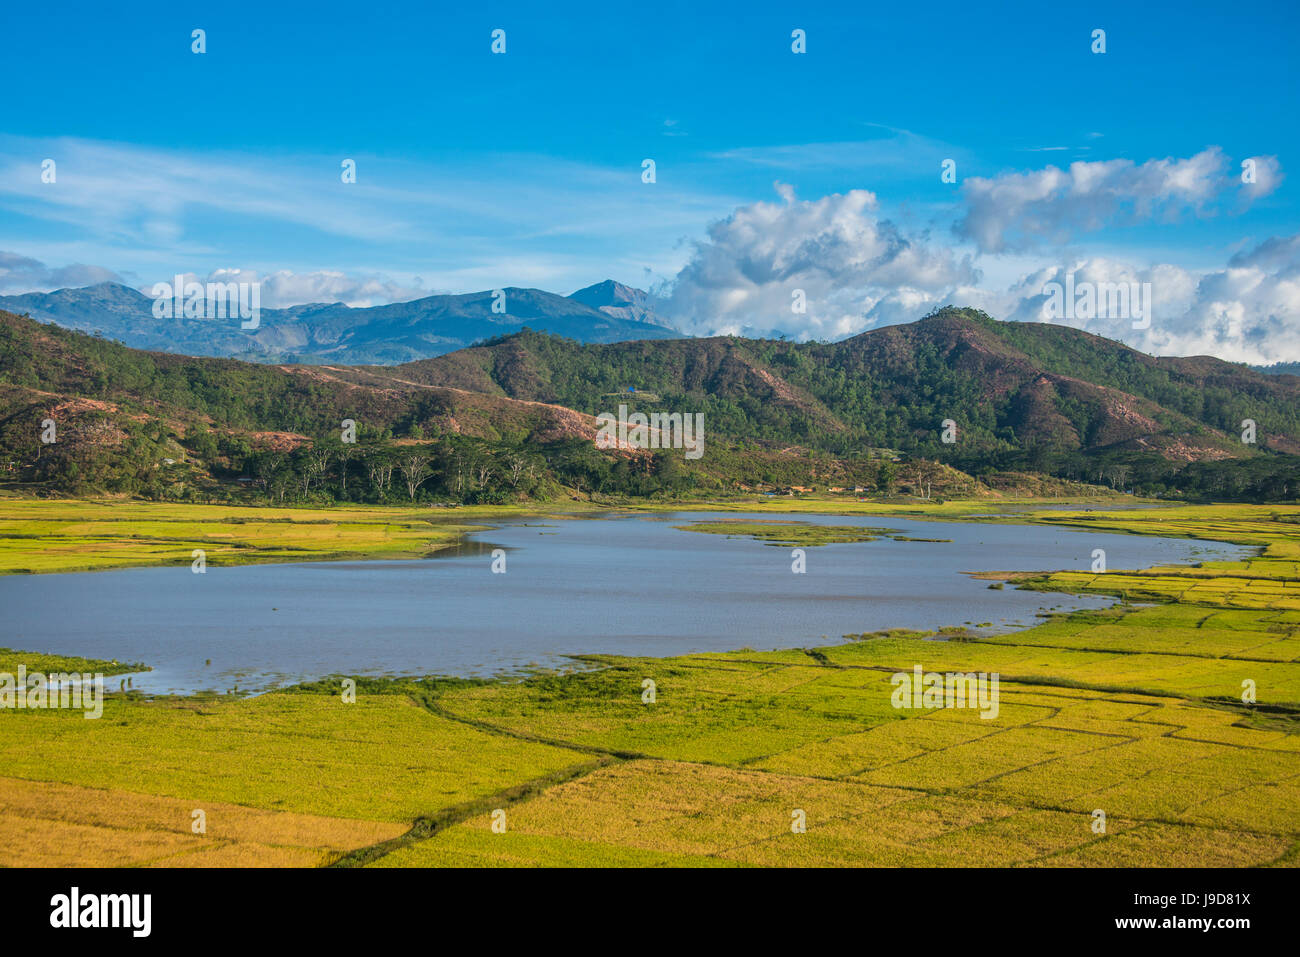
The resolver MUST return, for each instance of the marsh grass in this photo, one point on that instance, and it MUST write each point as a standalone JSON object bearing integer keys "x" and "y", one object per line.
{"x": 1134, "y": 709}
{"x": 789, "y": 534}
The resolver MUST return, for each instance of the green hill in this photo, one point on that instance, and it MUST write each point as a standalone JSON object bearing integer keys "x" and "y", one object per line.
{"x": 1008, "y": 386}
{"x": 513, "y": 417}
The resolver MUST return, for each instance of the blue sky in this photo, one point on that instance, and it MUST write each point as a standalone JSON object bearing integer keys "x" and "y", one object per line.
{"x": 479, "y": 171}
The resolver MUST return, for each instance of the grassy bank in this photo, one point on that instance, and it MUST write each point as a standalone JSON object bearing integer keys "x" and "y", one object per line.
{"x": 68, "y": 535}
{"x": 72, "y": 535}
{"x": 789, "y": 533}
{"x": 1135, "y": 712}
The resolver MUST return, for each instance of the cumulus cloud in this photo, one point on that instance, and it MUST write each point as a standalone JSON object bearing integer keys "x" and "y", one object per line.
{"x": 1246, "y": 311}
{"x": 854, "y": 268}
{"x": 1260, "y": 176}
{"x": 19, "y": 274}
{"x": 1024, "y": 209}
{"x": 859, "y": 271}
{"x": 1276, "y": 253}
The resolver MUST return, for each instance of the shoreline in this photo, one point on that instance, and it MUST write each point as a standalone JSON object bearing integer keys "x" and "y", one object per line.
{"x": 1133, "y": 708}
{"x": 1018, "y": 579}
{"x": 133, "y": 534}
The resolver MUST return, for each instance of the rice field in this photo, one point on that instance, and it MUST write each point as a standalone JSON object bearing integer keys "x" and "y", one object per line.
{"x": 1160, "y": 732}
{"x": 67, "y": 535}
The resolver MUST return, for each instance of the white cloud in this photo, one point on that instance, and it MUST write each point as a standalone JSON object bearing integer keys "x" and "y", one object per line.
{"x": 19, "y": 274}
{"x": 152, "y": 210}
{"x": 1246, "y": 311}
{"x": 1024, "y": 209}
{"x": 284, "y": 288}
{"x": 858, "y": 268}
{"x": 859, "y": 271}
{"x": 1277, "y": 253}
{"x": 1268, "y": 177}
{"x": 855, "y": 269}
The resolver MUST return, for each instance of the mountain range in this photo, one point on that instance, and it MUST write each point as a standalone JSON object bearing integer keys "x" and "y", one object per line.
{"x": 1009, "y": 388}
{"x": 1005, "y": 385}
{"x": 335, "y": 332}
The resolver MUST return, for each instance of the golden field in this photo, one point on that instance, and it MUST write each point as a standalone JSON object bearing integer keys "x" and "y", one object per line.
{"x": 1134, "y": 711}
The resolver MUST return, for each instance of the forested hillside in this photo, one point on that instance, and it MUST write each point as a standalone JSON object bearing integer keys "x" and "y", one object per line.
{"x": 513, "y": 417}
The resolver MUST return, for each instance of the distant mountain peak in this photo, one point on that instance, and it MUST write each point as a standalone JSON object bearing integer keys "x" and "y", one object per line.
{"x": 610, "y": 292}
{"x": 335, "y": 332}
{"x": 615, "y": 299}
{"x": 101, "y": 290}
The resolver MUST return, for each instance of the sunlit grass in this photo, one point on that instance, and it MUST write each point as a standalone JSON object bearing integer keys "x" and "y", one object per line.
{"x": 1134, "y": 711}
{"x": 75, "y": 535}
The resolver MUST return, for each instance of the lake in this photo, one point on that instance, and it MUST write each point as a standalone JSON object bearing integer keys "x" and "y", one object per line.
{"x": 620, "y": 583}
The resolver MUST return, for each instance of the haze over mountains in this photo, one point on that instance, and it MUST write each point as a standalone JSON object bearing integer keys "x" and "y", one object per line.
{"x": 335, "y": 332}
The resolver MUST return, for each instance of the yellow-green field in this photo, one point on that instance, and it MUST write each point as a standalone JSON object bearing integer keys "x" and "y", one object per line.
{"x": 68, "y": 535}
{"x": 1136, "y": 712}
{"x": 72, "y": 535}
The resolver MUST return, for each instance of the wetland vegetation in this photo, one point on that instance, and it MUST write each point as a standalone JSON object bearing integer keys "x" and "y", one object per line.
{"x": 1137, "y": 711}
